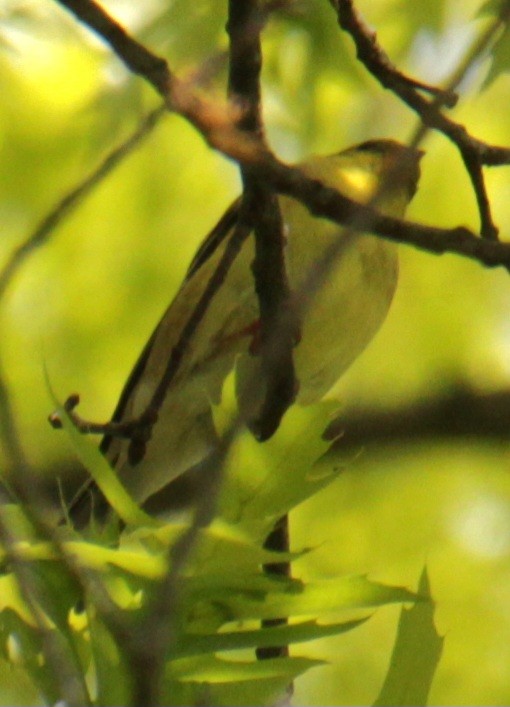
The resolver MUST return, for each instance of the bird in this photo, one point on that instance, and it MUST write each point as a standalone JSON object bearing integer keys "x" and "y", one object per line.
{"x": 339, "y": 318}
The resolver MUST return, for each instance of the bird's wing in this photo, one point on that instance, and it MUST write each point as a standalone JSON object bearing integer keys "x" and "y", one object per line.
{"x": 183, "y": 433}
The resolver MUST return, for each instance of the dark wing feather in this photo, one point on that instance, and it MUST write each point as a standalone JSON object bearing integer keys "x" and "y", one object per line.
{"x": 207, "y": 248}
{"x": 218, "y": 234}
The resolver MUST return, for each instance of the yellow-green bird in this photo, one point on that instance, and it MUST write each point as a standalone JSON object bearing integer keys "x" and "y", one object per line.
{"x": 339, "y": 319}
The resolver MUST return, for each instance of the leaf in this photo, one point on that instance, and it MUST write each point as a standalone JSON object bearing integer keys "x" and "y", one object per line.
{"x": 315, "y": 598}
{"x": 191, "y": 32}
{"x": 212, "y": 668}
{"x": 112, "y": 679}
{"x": 415, "y": 657}
{"x": 491, "y": 7}
{"x": 220, "y": 546}
{"x": 100, "y": 470}
{"x": 217, "y": 681}
{"x": 500, "y": 51}
{"x": 418, "y": 16}
{"x": 24, "y": 647}
{"x": 277, "y": 636}
{"x": 265, "y": 481}
{"x": 500, "y": 57}
{"x": 11, "y": 599}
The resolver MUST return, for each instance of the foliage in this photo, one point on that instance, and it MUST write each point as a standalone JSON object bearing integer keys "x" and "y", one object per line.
{"x": 85, "y": 302}
{"x": 223, "y": 594}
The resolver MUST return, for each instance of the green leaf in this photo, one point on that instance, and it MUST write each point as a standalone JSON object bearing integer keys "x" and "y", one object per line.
{"x": 58, "y": 591}
{"x": 415, "y": 657}
{"x": 10, "y": 598}
{"x": 212, "y": 668}
{"x": 278, "y": 636}
{"x": 316, "y": 598}
{"x": 100, "y": 470}
{"x": 217, "y": 681}
{"x": 24, "y": 648}
{"x": 220, "y": 546}
{"x": 190, "y": 32}
{"x": 500, "y": 57}
{"x": 112, "y": 678}
{"x": 265, "y": 481}
{"x": 418, "y": 16}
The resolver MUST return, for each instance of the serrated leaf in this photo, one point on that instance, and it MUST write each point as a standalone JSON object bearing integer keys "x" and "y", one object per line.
{"x": 287, "y": 634}
{"x": 415, "y": 657}
{"x": 317, "y": 598}
{"x": 265, "y": 481}
{"x": 220, "y": 545}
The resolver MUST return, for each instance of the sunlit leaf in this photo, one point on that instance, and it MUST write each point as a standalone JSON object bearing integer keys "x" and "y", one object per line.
{"x": 228, "y": 682}
{"x": 318, "y": 598}
{"x": 100, "y": 470}
{"x": 277, "y": 636}
{"x": 415, "y": 657}
{"x": 25, "y": 648}
{"x": 264, "y": 481}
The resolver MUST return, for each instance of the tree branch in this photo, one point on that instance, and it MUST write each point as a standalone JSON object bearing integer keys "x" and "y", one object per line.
{"x": 474, "y": 152}
{"x": 461, "y": 413}
{"x": 277, "y": 331}
{"x": 73, "y": 198}
{"x": 216, "y": 122}
{"x": 218, "y": 126}
{"x": 277, "y": 323}
{"x": 325, "y": 202}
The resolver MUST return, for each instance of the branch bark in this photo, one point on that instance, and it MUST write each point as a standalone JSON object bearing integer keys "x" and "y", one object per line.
{"x": 459, "y": 414}
{"x": 219, "y": 126}
{"x": 474, "y": 152}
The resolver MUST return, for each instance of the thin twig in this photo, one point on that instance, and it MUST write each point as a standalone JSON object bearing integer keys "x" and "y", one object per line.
{"x": 474, "y": 152}
{"x": 218, "y": 126}
{"x": 156, "y": 639}
{"x": 73, "y": 198}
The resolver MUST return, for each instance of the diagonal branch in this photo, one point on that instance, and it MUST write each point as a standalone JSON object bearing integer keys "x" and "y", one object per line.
{"x": 474, "y": 152}
{"x": 218, "y": 127}
{"x": 73, "y": 198}
{"x": 216, "y": 122}
{"x": 135, "y": 56}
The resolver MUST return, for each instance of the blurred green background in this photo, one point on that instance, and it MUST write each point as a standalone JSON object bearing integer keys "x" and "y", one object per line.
{"x": 85, "y": 303}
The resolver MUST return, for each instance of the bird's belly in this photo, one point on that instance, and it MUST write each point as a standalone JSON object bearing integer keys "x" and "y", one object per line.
{"x": 344, "y": 314}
